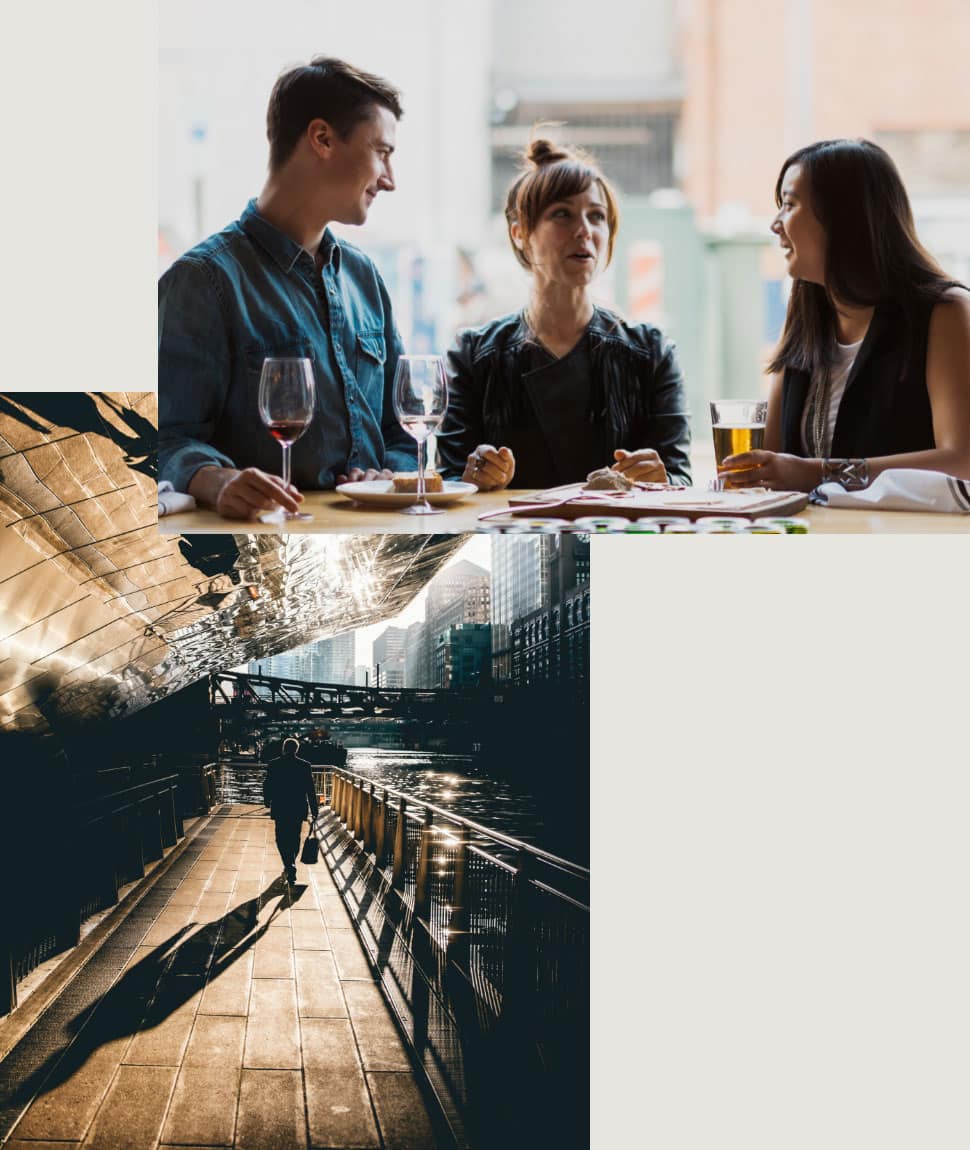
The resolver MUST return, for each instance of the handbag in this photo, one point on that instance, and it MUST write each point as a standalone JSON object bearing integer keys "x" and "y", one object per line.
{"x": 311, "y": 850}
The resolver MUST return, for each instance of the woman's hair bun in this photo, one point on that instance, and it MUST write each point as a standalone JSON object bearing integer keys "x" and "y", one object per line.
{"x": 543, "y": 152}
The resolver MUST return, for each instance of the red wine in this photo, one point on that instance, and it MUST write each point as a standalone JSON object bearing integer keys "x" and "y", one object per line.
{"x": 287, "y": 430}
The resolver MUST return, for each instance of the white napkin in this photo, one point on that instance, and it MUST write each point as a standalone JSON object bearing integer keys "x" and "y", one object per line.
{"x": 901, "y": 489}
{"x": 170, "y": 500}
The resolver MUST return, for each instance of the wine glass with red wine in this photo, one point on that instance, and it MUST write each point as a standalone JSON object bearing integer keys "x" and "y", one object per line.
{"x": 286, "y": 401}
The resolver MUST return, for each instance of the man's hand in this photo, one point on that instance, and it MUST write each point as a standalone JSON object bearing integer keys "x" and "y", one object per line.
{"x": 242, "y": 494}
{"x": 358, "y": 474}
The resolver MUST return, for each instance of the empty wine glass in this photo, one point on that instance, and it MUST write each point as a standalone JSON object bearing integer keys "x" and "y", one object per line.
{"x": 286, "y": 401}
{"x": 420, "y": 403}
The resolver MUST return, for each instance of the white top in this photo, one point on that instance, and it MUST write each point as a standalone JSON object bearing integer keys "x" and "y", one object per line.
{"x": 845, "y": 354}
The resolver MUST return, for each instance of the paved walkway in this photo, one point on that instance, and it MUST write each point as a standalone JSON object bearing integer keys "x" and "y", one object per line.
{"x": 245, "y": 1015}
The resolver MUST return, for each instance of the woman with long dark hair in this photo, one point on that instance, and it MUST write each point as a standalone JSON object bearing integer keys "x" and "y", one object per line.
{"x": 563, "y": 387}
{"x": 873, "y": 368}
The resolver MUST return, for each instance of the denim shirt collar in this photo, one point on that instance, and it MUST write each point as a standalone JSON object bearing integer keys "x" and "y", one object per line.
{"x": 284, "y": 250}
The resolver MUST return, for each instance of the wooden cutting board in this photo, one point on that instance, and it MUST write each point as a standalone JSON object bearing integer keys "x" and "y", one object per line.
{"x": 571, "y": 502}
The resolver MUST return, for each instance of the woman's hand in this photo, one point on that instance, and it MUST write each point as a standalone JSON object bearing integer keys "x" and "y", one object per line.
{"x": 489, "y": 468}
{"x": 771, "y": 469}
{"x": 643, "y": 466}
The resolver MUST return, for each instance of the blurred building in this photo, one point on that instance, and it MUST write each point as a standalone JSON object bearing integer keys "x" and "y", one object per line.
{"x": 336, "y": 659}
{"x": 417, "y": 660}
{"x": 388, "y": 658}
{"x": 459, "y": 596}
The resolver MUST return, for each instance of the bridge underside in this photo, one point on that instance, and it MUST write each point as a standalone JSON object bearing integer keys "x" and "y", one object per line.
{"x": 102, "y": 615}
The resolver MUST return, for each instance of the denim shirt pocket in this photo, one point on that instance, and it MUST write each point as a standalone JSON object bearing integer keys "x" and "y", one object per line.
{"x": 371, "y": 356}
{"x": 285, "y": 346}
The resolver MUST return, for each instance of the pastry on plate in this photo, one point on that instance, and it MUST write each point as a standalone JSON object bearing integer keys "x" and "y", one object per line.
{"x": 406, "y": 482}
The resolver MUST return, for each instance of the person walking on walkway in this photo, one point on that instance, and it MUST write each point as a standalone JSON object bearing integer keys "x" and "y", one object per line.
{"x": 289, "y": 793}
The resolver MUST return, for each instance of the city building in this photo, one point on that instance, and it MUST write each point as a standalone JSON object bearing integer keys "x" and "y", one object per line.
{"x": 552, "y": 644}
{"x": 416, "y": 656}
{"x": 530, "y": 573}
{"x": 461, "y": 655}
{"x": 388, "y": 658}
{"x": 336, "y": 659}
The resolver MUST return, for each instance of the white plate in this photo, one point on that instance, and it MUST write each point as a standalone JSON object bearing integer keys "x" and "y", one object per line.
{"x": 381, "y": 493}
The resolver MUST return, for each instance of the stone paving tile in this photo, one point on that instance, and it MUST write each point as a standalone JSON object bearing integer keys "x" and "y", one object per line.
{"x": 318, "y": 989}
{"x": 246, "y": 889}
{"x": 328, "y": 1044}
{"x": 401, "y": 1112}
{"x": 349, "y": 954}
{"x": 164, "y": 1043}
{"x": 203, "y": 1109}
{"x": 380, "y": 1044}
{"x": 273, "y": 1033}
{"x": 274, "y": 954}
{"x": 228, "y": 991}
{"x": 271, "y": 1110}
{"x": 188, "y": 897}
{"x": 335, "y": 914}
{"x": 133, "y": 1109}
{"x": 339, "y": 1111}
{"x": 222, "y": 882}
{"x": 309, "y": 932}
{"x": 211, "y": 906}
{"x": 66, "y": 1111}
{"x": 163, "y": 933}
{"x": 216, "y": 1041}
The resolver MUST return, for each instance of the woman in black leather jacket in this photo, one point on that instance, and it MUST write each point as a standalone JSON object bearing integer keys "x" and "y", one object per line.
{"x": 563, "y": 388}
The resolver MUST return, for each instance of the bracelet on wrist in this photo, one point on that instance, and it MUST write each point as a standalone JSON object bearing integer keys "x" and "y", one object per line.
{"x": 852, "y": 474}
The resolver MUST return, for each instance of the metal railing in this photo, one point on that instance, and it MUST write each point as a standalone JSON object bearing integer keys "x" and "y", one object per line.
{"x": 103, "y": 844}
{"x": 504, "y": 925}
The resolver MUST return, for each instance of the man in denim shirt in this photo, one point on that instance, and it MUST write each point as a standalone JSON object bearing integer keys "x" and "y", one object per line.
{"x": 277, "y": 283}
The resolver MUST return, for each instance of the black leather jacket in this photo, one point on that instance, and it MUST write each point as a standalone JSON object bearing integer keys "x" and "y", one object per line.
{"x": 620, "y": 386}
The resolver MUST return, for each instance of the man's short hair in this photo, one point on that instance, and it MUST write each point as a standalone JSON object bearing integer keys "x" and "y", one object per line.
{"x": 325, "y": 89}
{"x": 291, "y": 746}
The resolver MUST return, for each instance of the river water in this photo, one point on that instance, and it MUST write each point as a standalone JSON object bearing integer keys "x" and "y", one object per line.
{"x": 551, "y": 816}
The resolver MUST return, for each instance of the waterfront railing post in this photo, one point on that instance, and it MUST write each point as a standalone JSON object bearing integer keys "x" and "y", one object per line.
{"x": 518, "y": 976}
{"x": 367, "y": 801}
{"x": 380, "y": 831}
{"x": 358, "y": 807}
{"x": 422, "y": 888}
{"x": 457, "y": 946}
{"x": 400, "y": 846}
{"x": 336, "y": 802}
{"x": 371, "y": 820}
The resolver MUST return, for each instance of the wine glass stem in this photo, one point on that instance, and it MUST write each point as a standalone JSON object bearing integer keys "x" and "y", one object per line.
{"x": 286, "y": 464}
{"x": 421, "y": 471}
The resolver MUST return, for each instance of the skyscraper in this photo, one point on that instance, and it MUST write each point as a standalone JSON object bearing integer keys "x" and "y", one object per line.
{"x": 388, "y": 658}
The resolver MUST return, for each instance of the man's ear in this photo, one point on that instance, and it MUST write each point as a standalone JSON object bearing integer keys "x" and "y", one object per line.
{"x": 320, "y": 136}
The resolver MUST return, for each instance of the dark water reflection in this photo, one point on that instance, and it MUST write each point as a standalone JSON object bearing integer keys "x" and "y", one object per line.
{"x": 547, "y": 814}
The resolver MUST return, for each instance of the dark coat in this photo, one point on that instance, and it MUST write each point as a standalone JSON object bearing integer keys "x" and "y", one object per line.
{"x": 288, "y": 789}
{"x": 885, "y": 409}
{"x": 620, "y": 386}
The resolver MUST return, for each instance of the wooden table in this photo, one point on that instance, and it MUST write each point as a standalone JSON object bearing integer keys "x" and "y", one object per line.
{"x": 336, "y": 514}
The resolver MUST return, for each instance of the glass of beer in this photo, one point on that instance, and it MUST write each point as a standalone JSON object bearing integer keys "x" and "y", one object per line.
{"x": 739, "y": 425}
